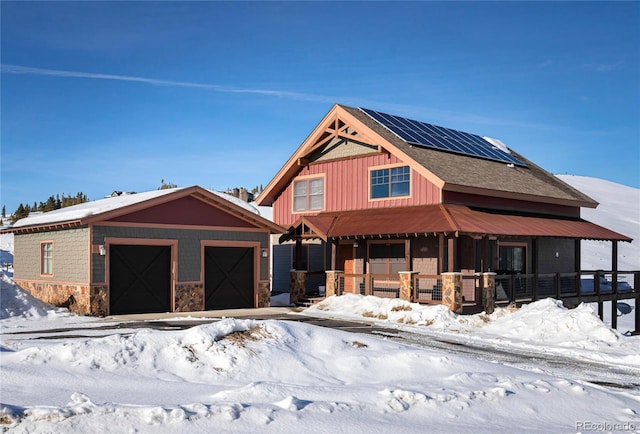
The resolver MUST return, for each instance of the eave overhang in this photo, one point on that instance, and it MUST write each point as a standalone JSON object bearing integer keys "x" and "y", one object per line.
{"x": 442, "y": 219}
{"x": 195, "y": 191}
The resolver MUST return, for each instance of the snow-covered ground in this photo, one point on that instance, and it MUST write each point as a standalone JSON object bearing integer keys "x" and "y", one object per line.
{"x": 251, "y": 376}
{"x": 287, "y": 377}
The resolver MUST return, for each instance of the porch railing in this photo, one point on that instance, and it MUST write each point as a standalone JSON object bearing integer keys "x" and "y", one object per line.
{"x": 380, "y": 285}
{"x": 592, "y": 286}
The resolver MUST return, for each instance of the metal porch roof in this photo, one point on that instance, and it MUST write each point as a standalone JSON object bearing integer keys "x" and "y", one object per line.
{"x": 448, "y": 218}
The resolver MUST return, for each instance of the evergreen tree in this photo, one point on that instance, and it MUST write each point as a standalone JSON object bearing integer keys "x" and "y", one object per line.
{"x": 19, "y": 213}
{"x": 4, "y": 211}
{"x": 50, "y": 205}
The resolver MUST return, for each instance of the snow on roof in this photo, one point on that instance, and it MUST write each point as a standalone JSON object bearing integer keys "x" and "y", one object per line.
{"x": 498, "y": 144}
{"x": 236, "y": 201}
{"x": 88, "y": 209}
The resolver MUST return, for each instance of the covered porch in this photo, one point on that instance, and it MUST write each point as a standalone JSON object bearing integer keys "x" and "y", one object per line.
{"x": 418, "y": 253}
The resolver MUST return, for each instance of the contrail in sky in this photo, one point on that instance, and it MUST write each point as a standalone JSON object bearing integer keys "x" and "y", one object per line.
{"x": 299, "y": 96}
{"x": 27, "y": 70}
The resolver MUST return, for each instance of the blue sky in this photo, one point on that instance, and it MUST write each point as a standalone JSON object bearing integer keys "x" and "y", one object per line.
{"x": 110, "y": 96}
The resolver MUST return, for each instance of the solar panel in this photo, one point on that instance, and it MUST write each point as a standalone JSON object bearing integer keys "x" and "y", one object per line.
{"x": 432, "y": 136}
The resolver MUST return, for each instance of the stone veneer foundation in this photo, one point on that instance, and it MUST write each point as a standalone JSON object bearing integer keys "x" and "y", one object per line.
{"x": 297, "y": 285}
{"x": 189, "y": 297}
{"x": 264, "y": 294}
{"x": 94, "y": 299}
{"x": 79, "y": 299}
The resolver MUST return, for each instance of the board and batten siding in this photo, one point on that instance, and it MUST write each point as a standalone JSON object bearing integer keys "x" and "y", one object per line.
{"x": 70, "y": 256}
{"x": 347, "y": 188}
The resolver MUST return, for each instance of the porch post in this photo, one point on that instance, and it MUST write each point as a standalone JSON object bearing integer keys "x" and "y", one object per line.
{"x": 334, "y": 253}
{"x": 489, "y": 292}
{"x": 298, "y": 255}
{"x": 406, "y": 285}
{"x": 614, "y": 284}
{"x": 452, "y": 253}
{"x": 297, "y": 286}
{"x": 536, "y": 268}
{"x": 452, "y": 291}
{"x": 636, "y": 288}
{"x": 333, "y": 282}
{"x": 578, "y": 267}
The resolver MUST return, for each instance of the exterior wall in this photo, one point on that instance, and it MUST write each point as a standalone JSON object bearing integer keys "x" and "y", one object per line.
{"x": 509, "y": 204}
{"x": 184, "y": 211}
{"x": 338, "y": 149}
{"x": 313, "y": 256}
{"x": 548, "y": 262}
{"x": 189, "y": 248}
{"x": 70, "y": 256}
{"x": 424, "y": 255}
{"x": 347, "y": 188}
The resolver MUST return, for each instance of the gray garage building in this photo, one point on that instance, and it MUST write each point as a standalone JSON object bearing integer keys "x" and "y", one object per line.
{"x": 184, "y": 249}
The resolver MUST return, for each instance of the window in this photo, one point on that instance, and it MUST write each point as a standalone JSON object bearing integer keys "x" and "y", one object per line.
{"x": 46, "y": 258}
{"x": 387, "y": 258}
{"x": 308, "y": 194}
{"x": 390, "y": 182}
{"x": 513, "y": 259}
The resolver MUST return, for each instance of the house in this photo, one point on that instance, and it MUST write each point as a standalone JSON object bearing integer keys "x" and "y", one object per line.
{"x": 181, "y": 249}
{"x": 370, "y": 196}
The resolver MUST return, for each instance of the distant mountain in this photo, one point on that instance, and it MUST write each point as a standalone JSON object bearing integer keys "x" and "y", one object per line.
{"x": 619, "y": 210}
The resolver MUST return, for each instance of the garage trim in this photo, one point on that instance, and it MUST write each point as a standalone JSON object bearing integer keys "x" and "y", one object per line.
{"x": 143, "y": 242}
{"x": 255, "y": 245}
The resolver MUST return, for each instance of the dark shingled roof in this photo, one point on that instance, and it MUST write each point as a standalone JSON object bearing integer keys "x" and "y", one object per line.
{"x": 479, "y": 173}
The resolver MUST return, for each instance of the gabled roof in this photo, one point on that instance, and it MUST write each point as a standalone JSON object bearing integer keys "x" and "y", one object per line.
{"x": 442, "y": 218}
{"x": 448, "y": 171}
{"x": 113, "y": 207}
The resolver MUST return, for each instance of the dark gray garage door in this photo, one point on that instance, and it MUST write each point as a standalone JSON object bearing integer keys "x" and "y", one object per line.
{"x": 228, "y": 277}
{"x": 139, "y": 279}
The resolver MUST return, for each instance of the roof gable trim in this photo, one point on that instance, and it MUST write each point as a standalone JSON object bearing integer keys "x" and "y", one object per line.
{"x": 337, "y": 123}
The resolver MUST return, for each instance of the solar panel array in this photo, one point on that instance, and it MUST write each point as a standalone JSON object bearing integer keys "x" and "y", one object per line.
{"x": 445, "y": 139}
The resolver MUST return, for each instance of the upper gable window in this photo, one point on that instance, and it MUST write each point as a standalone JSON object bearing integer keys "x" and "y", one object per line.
{"x": 390, "y": 182}
{"x": 46, "y": 258}
{"x": 308, "y": 194}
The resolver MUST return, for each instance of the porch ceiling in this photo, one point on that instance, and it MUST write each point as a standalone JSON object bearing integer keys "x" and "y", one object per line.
{"x": 444, "y": 218}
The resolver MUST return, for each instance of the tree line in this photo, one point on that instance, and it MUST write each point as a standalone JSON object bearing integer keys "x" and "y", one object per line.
{"x": 52, "y": 203}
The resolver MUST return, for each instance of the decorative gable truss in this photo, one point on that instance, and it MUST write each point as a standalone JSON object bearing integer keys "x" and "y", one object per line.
{"x": 339, "y": 135}
{"x": 340, "y": 140}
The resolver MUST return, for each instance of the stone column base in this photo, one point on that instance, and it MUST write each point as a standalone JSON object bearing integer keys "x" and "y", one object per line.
{"x": 452, "y": 291}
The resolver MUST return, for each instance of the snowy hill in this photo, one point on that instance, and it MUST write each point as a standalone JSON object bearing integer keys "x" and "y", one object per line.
{"x": 619, "y": 210}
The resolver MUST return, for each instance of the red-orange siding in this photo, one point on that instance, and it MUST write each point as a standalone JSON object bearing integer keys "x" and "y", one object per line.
{"x": 347, "y": 188}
